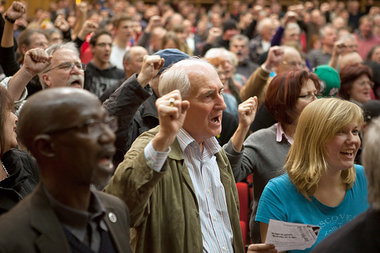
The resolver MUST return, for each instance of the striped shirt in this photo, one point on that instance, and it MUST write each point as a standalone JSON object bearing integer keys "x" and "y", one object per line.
{"x": 209, "y": 190}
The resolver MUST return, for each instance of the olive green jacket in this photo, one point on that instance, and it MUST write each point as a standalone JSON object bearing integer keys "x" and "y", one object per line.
{"x": 163, "y": 205}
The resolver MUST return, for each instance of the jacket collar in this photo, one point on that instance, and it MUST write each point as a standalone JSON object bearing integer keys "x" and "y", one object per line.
{"x": 51, "y": 236}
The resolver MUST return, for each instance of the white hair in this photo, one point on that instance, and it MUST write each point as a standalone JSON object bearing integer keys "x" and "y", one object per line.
{"x": 176, "y": 77}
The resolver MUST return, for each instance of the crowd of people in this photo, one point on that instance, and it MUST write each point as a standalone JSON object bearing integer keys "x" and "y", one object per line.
{"x": 125, "y": 126}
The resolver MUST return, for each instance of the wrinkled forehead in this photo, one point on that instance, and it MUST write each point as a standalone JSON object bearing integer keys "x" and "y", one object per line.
{"x": 203, "y": 77}
{"x": 64, "y": 55}
{"x": 292, "y": 55}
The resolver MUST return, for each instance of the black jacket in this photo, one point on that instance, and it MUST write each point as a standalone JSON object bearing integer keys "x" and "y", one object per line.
{"x": 23, "y": 178}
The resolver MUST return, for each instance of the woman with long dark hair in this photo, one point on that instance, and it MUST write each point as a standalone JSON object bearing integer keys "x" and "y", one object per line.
{"x": 18, "y": 170}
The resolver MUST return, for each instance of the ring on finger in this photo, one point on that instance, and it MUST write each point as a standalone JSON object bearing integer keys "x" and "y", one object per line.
{"x": 171, "y": 101}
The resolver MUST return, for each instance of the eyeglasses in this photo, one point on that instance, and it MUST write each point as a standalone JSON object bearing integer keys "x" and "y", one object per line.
{"x": 308, "y": 96}
{"x": 370, "y": 83}
{"x": 91, "y": 126}
{"x": 68, "y": 66}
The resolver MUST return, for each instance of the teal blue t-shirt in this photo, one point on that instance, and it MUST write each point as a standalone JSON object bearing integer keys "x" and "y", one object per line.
{"x": 282, "y": 201}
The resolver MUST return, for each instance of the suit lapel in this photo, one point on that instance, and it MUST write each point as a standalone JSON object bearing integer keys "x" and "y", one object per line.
{"x": 43, "y": 219}
{"x": 117, "y": 224}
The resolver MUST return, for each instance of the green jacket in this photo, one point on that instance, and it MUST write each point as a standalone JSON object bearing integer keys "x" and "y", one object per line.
{"x": 163, "y": 206}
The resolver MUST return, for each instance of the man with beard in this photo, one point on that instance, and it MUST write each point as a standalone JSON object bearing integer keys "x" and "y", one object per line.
{"x": 100, "y": 74}
{"x": 72, "y": 141}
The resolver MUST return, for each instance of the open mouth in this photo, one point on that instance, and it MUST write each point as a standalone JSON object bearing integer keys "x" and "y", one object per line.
{"x": 216, "y": 120}
{"x": 76, "y": 83}
{"x": 349, "y": 154}
{"x": 105, "y": 160}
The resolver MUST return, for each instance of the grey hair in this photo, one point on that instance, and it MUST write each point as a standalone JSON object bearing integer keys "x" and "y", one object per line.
{"x": 371, "y": 162}
{"x": 291, "y": 26}
{"x": 262, "y": 23}
{"x": 322, "y": 31}
{"x": 240, "y": 37}
{"x": 216, "y": 52}
{"x": 68, "y": 45}
{"x": 288, "y": 49}
{"x": 127, "y": 55}
{"x": 221, "y": 52}
{"x": 348, "y": 36}
{"x": 176, "y": 77}
{"x": 50, "y": 51}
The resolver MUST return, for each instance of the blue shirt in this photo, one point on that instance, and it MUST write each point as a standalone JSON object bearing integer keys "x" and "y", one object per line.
{"x": 282, "y": 201}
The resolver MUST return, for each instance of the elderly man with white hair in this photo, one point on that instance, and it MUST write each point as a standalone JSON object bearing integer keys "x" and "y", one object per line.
{"x": 176, "y": 179}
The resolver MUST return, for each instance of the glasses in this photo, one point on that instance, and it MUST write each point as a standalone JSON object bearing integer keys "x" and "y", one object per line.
{"x": 91, "y": 126}
{"x": 308, "y": 96}
{"x": 68, "y": 66}
{"x": 370, "y": 83}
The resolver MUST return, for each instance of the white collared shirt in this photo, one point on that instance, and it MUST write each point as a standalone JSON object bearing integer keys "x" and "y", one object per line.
{"x": 204, "y": 172}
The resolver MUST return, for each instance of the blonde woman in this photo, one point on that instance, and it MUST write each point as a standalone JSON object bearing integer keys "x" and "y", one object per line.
{"x": 322, "y": 186}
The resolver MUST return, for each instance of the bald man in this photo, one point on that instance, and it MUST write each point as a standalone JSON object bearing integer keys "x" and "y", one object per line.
{"x": 72, "y": 141}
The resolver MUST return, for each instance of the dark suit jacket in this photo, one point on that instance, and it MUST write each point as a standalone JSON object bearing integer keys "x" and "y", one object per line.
{"x": 32, "y": 226}
{"x": 362, "y": 234}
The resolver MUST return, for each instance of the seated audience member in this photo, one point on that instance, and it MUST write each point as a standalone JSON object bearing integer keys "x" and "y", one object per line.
{"x": 265, "y": 151}
{"x": 19, "y": 171}
{"x": 72, "y": 141}
{"x": 362, "y": 234}
{"x": 100, "y": 73}
{"x": 161, "y": 176}
{"x": 356, "y": 83}
{"x": 322, "y": 186}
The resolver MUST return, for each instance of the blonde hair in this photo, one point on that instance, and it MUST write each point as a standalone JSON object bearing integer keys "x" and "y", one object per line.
{"x": 317, "y": 124}
{"x": 370, "y": 158}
